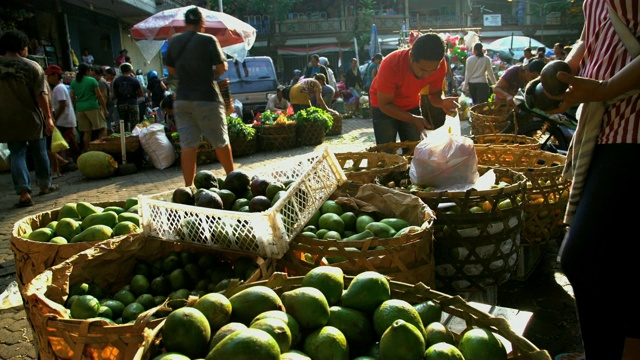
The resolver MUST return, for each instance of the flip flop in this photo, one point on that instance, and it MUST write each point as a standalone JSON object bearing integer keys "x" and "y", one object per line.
{"x": 51, "y": 189}
{"x": 24, "y": 203}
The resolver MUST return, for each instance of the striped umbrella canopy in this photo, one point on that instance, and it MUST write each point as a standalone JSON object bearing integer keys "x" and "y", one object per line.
{"x": 235, "y": 36}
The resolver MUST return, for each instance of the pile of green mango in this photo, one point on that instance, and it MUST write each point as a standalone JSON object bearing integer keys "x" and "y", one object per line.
{"x": 85, "y": 222}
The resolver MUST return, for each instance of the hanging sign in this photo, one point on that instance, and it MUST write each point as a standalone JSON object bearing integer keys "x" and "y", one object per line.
{"x": 492, "y": 20}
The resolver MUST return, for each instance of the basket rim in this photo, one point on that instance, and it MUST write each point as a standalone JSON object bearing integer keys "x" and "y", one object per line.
{"x": 452, "y": 305}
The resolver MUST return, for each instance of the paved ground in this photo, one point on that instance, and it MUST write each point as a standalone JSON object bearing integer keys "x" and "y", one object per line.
{"x": 553, "y": 326}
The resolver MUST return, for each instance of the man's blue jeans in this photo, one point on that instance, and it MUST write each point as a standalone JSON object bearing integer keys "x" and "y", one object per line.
{"x": 19, "y": 170}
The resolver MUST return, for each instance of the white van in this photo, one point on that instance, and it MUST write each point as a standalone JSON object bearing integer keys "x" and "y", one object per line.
{"x": 252, "y": 82}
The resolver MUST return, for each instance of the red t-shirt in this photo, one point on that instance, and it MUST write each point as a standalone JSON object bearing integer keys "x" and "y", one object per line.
{"x": 395, "y": 77}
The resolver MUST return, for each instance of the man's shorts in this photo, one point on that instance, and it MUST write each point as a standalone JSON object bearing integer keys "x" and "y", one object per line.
{"x": 91, "y": 120}
{"x": 201, "y": 118}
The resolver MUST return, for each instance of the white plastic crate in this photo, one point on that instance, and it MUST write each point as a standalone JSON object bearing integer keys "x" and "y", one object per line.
{"x": 266, "y": 233}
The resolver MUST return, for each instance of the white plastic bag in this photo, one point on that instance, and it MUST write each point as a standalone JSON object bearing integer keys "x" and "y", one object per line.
{"x": 156, "y": 144}
{"x": 444, "y": 159}
{"x": 10, "y": 297}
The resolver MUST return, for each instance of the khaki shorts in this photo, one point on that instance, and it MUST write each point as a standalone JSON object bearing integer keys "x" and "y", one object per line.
{"x": 91, "y": 120}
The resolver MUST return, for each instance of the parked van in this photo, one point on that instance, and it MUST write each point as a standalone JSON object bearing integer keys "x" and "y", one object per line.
{"x": 252, "y": 82}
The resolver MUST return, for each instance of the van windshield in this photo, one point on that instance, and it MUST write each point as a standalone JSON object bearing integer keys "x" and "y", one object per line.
{"x": 252, "y": 75}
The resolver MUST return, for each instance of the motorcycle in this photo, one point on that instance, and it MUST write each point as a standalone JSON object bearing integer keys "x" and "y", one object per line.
{"x": 554, "y": 132}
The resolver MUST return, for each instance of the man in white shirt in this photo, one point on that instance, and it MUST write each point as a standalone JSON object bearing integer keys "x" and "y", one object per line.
{"x": 64, "y": 117}
{"x": 277, "y": 101}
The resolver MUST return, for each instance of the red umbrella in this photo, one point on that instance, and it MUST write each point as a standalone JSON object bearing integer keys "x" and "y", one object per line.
{"x": 230, "y": 31}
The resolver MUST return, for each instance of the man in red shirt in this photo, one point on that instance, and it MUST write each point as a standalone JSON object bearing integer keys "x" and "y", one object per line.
{"x": 395, "y": 92}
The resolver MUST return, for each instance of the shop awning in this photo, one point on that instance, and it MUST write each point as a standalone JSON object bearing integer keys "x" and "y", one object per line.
{"x": 316, "y": 49}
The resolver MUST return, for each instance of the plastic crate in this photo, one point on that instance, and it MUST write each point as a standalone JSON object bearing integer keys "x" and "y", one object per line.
{"x": 266, "y": 233}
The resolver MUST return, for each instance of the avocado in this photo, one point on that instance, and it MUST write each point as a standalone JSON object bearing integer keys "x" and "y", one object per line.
{"x": 85, "y": 209}
{"x": 250, "y": 302}
{"x": 208, "y": 199}
{"x": 42, "y": 235}
{"x": 380, "y": 229}
{"x": 183, "y": 195}
{"x": 127, "y": 216}
{"x": 68, "y": 228}
{"x": 68, "y": 210}
{"x": 108, "y": 218}
{"x": 93, "y": 233}
{"x": 205, "y": 179}
{"x": 259, "y": 203}
{"x": 130, "y": 202}
{"x": 396, "y": 223}
{"x": 238, "y": 182}
{"x": 227, "y": 196}
{"x": 259, "y": 186}
{"x": 359, "y": 236}
{"x": 115, "y": 209}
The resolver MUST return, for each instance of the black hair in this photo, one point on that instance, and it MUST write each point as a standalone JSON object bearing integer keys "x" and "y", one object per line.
{"x": 110, "y": 71}
{"x": 13, "y": 41}
{"x": 125, "y": 67}
{"x": 429, "y": 47}
{"x": 193, "y": 16}
{"x": 83, "y": 69}
{"x": 535, "y": 66}
{"x": 98, "y": 69}
{"x": 477, "y": 50}
{"x": 377, "y": 56}
{"x": 315, "y": 57}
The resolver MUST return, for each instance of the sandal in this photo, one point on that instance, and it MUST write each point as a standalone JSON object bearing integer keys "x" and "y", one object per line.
{"x": 51, "y": 189}
{"x": 24, "y": 203}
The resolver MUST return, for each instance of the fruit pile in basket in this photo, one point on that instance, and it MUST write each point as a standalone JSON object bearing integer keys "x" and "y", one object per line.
{"x": 323, "y": 318}
{"x": 168, "y": 280}
{"x": 85, "y": 222}
{"x": 237, "y": 192}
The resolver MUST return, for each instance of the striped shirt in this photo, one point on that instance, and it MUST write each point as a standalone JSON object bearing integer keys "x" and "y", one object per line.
{"x": 605, "y": 55}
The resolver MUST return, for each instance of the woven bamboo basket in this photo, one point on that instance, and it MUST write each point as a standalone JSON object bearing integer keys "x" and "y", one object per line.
{"x": 242, "y": 147}
{"x": 112, "y": 145}
{"x": 310, "y": 134}
{"x": 206, "y": 152}
{"x": 364, "y": 167}
{"x": 336, "y": 128}
{"x": 33, "y": 257}
{"x": 407, "y": 258}
{"x": 458, "y": 315}
{"x": 508, "y": 140}
{"x": 490, "y": 118}
{"x": 276, "y": 137}
{"x": 404, "y": 148}
{"x": 547, "y": 193}
{"x": 474, "y": 249}
{"x": 109, "y": 264}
